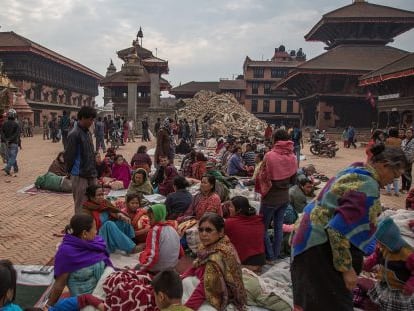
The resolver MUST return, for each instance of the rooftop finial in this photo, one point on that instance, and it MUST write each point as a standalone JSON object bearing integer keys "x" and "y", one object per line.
{"x": 140, "y": 34}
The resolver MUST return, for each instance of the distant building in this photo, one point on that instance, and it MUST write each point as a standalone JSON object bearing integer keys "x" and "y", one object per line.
{"x": 189, "y": 89}
{"x": 236, "y": 87}
{"x": 48, "y": 81}
{"x": 391, "y": 90}
{"x": 274, "y": 106}
{"x": 356, "y": 38}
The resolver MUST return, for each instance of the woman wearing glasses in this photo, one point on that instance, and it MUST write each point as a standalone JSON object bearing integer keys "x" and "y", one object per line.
{"x": 337, "y": 230}
{"x": 216, "y": 276}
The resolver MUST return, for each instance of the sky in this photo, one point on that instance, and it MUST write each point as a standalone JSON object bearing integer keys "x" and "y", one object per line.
{"x": 203, "y": 40}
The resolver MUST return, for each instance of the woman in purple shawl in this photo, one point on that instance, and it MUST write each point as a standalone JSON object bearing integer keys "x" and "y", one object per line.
{"x": 80, "y": 260}
{"x": 121, "y": 171}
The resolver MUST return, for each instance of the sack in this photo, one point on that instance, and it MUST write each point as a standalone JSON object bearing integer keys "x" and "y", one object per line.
{"x": 262, "y": 180}
{"x": 290, "y": 216}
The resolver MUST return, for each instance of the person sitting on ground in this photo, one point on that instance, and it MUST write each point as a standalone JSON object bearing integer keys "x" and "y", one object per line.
{"x": 110, "y": 154}
{"x": 168, "y": 291}
{"x": 221, "y": 146}
{"x": 162, "y": 247}
{"x": 235, "y": 166}
{"x": 103, "y": 167}
{"x": 80, "y": 260}
{"x": 164, "y": 176}
{"x": 112, "y": 225}
{"x": 121, "y": 170}
{"x": 217, "y": 268}
{"x": 8, "y": 277}
{"x": 8, "y": 287}
{"x": 258, "y": 160}
{"x": 198, "y": 169}
{"x": 179, "y": 201}
{"x": 244, "y": 229}
{"x": 308, "y": 171}
{"x": 226, "y": 156}
{"x": 207, "y": 200}
{"x": 221, "y": 186}
{"x": 141, "y": 159}
{"x": 249, "y": 156}
{"x": 140, "y": 184}
{"x": 186, "y": 165}
{"x": 138, "y": 216}
{"x": 58, "y": 166}
{"x": 299, "y": 194}
{"x": 396, "y": 272}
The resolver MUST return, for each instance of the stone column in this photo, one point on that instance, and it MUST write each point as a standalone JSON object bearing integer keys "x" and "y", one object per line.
{"x": 132, "y": 101}
{"x": 155, "y": 89}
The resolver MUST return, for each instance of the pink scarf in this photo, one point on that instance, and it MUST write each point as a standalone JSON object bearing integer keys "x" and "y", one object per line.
{"x": 281, "y": 162}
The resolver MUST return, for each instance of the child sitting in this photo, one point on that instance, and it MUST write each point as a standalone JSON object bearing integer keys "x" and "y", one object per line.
{"x": 168, "y": 291}
{"x": 121, "y": 171}
{"x": 138, "y": 216}
{"x": 8, "y": 286}
{"x": 162, "y": 247}
{"x": 395, "y": 287}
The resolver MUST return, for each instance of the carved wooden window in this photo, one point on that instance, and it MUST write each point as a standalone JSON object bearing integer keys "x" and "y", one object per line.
{"x": 289, "y": 108}
{"x": 255, "y": 88}
{"x": 258, "y": 72}
{"x": 254, "y": 105}
{"x": 266, "y": 105}
{"x": 278, "y": 106}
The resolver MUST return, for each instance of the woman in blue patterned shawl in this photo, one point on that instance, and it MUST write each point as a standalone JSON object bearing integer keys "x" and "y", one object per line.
{"x": 337, "y": 230}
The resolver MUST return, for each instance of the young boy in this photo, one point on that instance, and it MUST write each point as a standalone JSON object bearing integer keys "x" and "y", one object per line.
{"x": 168, "y": 290}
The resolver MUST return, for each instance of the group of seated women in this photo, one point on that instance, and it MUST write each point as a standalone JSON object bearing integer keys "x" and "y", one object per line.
{"x": 83, "y": 256}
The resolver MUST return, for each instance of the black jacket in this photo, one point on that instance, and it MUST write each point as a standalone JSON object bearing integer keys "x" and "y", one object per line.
{"x": 10, "y": 132}
{"x": 82, "y": 138}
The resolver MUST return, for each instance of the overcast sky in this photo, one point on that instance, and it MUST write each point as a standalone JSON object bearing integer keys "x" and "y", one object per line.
{"x": 203, "y": 40}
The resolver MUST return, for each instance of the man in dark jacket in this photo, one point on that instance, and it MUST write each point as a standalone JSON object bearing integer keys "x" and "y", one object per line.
{"x": 80, "y": 156}
{"x": 10, "y": 136}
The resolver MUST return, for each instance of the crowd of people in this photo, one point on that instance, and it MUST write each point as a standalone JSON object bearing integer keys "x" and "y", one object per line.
{"x": 332, "y": 237}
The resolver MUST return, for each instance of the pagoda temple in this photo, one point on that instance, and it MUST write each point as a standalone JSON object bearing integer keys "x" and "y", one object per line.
{"x": 356, "y": 38}
{"x": 135, "y": 89}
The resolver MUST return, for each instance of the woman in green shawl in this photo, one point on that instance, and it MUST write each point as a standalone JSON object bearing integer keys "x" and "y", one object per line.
{"x": 140, "y": 184}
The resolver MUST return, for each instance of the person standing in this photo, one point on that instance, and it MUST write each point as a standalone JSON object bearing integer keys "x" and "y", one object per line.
{"x": 351, "y": 137}
{"x": 45, "y": 125}
{"x": 345, "y": 137}
{"x": 80, "y": 156}
{"x": 193, "y": 133}
{"x": 64, "y": 126}
{"x": 337, "y": 230}
{"x": 100, "y": 135}
{"x": 10, "y": 136}
{"x": 297, "y": 141}
{"x": 131, "y": 130}
{"x": 145, "y": 127}
{"x": 157, "y": 126}
{"x": 408, "y": 148}
{"x": 279, "y": 166}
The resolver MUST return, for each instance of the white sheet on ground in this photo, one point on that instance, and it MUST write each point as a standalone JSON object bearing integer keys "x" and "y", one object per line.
{"x": 117, "y": 193}
{"x": 155, "y": 198}
{"x": 33, "y": 279}
{"x": 121, "y": 260}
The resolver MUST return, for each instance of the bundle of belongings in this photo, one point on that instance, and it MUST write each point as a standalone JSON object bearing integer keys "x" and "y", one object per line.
{"x": 53, "y": 182}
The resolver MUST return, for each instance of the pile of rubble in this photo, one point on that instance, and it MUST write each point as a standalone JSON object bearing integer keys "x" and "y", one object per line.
{"x": 223, "y": 114}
